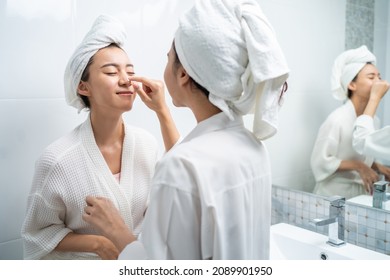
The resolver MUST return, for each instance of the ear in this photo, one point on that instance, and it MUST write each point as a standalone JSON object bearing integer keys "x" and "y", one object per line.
{"x": 182, "y": 76}
{"x": 352, "y": 86}
{"x": 83, "y": 89}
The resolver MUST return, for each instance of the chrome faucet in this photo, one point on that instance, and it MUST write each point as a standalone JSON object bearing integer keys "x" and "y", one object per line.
{"x": 379, "y": 194}
{"x": 335, "y": 221}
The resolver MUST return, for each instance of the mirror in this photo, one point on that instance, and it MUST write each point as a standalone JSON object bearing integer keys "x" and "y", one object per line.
{"x": 309, "y": 101}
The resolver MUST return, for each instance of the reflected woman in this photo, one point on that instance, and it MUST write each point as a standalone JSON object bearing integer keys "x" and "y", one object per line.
{"x": 367, "y": 140}
{"x": 101, "y": 157}
{"x": 337, "y": 167}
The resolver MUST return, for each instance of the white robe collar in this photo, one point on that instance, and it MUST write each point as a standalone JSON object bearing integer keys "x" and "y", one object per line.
{"x": 217, "y": 122}
{"x": 123, "y": 190}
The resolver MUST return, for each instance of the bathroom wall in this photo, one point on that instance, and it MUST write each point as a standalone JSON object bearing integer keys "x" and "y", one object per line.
{"x": 366, "y": 227}
{"x": 312, "y": 34}
{"x": 37, "y": 38}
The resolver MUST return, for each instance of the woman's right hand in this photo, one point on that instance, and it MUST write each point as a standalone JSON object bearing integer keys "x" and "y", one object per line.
{"x": 368, "y": 175}
{"x": 379, "y": 89}
{"x": 151, "y": 92}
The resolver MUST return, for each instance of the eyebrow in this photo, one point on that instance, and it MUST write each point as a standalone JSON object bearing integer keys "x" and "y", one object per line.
{"x": 115, "y": 65}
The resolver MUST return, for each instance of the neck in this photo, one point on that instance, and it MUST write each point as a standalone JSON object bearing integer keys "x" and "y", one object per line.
{"x": 359, "y": 104}
{"x": 204, "y": 110}
{"x": 107, "y": 131}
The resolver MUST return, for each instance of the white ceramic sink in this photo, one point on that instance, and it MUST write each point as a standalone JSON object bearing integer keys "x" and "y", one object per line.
{"x": 367, "y": 201}
{"x": 289, "y": 242}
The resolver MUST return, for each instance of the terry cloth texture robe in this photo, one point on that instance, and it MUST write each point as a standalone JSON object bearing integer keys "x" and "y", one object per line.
{"x": 210, "y": 197}
{"x": 368, "y": 141}
{"x": 71, "y": 169}
{"x": 334, "y": 144}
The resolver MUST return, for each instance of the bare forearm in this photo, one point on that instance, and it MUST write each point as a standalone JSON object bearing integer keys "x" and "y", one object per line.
{"x": 79, "y": 243}
{"x": 367, "y": 174}
{"x": 169, "y": 131}
{"x": 97, "y": 244}
{"x": 348, "y": 165}
{"x": 378, "y": 90}
{"x": 371, "y": 107}
{"x": 121, "y": 238}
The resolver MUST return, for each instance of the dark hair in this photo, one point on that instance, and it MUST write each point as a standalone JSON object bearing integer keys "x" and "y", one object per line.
{"x": 354, "y": 80}
{"x": 350, "y": 91}
{"x": 177, "y": 63}
{"x": 85, "y": 76}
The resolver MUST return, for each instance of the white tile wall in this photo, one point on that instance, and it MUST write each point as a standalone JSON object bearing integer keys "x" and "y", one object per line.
{"x": 312, "y": 34}
{"x": 37, "y": 37}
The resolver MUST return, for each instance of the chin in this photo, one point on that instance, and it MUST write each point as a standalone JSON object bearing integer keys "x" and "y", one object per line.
{"x": 128, "y": 107}
{"x": 177, "y": 104}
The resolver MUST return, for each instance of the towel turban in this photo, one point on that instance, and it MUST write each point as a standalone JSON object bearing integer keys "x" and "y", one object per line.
{"x": 230, "y": 48}
{"x": 345, "y": 68}
{"x": 105, "y": 31}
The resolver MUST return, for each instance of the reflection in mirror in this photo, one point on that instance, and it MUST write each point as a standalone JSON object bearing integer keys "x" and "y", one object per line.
{"x": 336, "y": 165}
{"x": 349, "y": 30}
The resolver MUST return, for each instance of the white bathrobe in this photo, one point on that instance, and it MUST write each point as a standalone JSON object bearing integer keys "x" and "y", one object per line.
{"x": 334, "y": 144}
{"x": 72, "y": 168}
{"x": 210, "y": 197}
{"x": 369, "y": 141}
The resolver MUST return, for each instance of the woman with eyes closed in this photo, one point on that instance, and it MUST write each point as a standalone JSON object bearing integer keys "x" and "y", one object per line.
{"x": 337, "y": 167}
{"x": 101, "y": 157}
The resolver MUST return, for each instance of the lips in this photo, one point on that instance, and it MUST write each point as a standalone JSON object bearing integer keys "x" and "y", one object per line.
{"x": 125, "y": 93}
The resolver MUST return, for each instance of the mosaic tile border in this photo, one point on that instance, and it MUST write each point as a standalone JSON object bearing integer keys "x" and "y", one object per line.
{"x": 364, "y": 226}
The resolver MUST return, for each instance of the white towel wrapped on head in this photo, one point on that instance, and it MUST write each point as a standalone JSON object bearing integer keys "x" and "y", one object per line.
{"x": 105, "y": 30}
{"x": 230, "y": 48}
{"x": 346, "y": 66}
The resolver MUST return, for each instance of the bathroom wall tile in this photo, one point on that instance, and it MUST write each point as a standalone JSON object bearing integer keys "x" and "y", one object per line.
{"x": 351, "y": 214}
{"x": 372, "y": 223}
{"x": 371, "y": 243}
{"x": 387, "y": 223}
{"x": 380, "y": 234}
{"x": 35, "y": 124}
{"x": 381, "y": 221}
{"x": 11, "y": 250}
{"x": 362, "y": 240}
{"x": 387, "y": 242}
{"x": 371, "y": 232}
{"x": 32, "y": 50}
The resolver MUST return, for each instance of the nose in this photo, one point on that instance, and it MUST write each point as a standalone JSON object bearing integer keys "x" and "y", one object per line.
{"x": 124, "y": 80}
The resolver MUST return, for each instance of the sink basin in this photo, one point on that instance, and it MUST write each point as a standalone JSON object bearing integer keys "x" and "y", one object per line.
{"x": 367, "y": 201}
{"x": 289, "y": 242}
